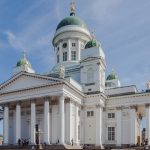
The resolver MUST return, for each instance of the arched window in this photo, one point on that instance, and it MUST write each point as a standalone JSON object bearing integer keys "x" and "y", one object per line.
{"x": 90, "y": 75}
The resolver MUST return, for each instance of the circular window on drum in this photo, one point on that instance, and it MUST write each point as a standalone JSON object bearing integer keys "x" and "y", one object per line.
{"x": 64, "y": 45}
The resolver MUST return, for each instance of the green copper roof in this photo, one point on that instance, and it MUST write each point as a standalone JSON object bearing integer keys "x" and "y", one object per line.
{"x": 112, "y": 76}
{"x": 72, "y": 20}
{"x": 92, "y": 43}
{"x": 23, "y": 62}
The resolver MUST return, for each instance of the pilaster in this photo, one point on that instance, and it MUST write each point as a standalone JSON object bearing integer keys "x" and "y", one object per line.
{"x": 119, "y": 125}
{"x": 99, "y": 125}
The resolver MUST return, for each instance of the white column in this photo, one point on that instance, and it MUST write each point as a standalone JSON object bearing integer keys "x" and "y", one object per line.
{"x": 77, "y": 123}
{"x": 79, "y": 50}
{"x": 98, "y": 125}
{"x": 82, "y": 125}
{"x": 68, "y": 121}
{"x": 69, "y": 50}
{"x": 148, "y": 123}
{"x": 119, "y": 126}
{"x": 133, "y": 125}
{"x": 18, "y": 122}
{"x": 33, "y": 122}
{"x": 46, "y": 122}
{"x": 6, "y": 125}
{"x": 60, "y": 53}
{"x": 62, "y": 118}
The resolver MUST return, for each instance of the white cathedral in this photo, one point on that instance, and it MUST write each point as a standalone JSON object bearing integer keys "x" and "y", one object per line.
{"x": 74, "y": 101}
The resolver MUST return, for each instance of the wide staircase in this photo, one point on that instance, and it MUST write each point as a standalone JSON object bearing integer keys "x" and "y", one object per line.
{"x": 56, "y": 146}
{"x": 39, "y": 147}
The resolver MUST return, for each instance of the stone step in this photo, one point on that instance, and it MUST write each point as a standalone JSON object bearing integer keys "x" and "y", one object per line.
{"x": 37, "y": 147}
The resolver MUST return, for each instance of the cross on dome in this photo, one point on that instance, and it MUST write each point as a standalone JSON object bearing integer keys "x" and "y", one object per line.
{"x": 93, "y": 34}
{"x": 24, "y": 54}
{"x": 72, "y": 8}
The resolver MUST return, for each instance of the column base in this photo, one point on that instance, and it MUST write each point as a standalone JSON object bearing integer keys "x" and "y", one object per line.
{"x": 47, "y": 143}
{"x": 100, "y": 146}
{"x": 32, "y": 144}
{"x": 5, "y": 144}
{"x": 118, "y": 145}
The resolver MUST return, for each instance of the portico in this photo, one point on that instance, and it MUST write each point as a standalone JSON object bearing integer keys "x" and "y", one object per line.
{"x": 33, "y": 117}
{"x": 41, "y": 110}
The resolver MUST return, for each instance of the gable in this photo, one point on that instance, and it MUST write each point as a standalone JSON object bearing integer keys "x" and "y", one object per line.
{"x": 25, "y": 81}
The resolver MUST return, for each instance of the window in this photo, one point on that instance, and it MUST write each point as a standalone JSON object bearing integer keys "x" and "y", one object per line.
{"x": 73, "y": 44}
{"x": 73, "y": 55}
{"x": 57, "y": 58}
{"x": 90, "y": 113}
{"x": 64, "y": 56}
{"x": 111, "y": 115}
{"x": 111, "y": 133}
{"x": 90, "y": 75}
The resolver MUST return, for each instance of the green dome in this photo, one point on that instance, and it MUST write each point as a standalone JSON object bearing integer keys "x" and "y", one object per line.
{"x": 92, "y": 43}
{"x": 112, "y": 76}
{"x": 23, "y": 62}
{"x": 72, "y": 20}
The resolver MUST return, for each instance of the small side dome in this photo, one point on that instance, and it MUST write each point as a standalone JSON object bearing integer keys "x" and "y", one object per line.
{"x": 92, "y": 43}
{"x": 23, "y": 62}
{"x": 111, "y": 76}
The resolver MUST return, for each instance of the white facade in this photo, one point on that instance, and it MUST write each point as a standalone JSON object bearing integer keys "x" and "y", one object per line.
{"x": 76, "y": 107}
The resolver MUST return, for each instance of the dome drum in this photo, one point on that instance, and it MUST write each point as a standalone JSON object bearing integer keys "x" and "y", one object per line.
{"x": 70, "y": 35}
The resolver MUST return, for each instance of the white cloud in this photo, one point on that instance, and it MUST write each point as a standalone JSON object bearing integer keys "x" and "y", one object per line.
{"x": 14, "y": 41}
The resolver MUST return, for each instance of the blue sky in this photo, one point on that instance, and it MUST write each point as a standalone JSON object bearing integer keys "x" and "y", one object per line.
{"x": 122, "y": 27}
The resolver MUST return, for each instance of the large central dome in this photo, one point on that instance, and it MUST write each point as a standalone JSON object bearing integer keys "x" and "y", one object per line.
{"x": 72, "y": 20}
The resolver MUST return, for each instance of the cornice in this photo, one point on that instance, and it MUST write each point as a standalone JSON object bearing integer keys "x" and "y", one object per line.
{"x": 100, "y": 94}
{"x": 129, "y": 96}
{"x": 32, "y": 88}
{"x": 15, "y": 77}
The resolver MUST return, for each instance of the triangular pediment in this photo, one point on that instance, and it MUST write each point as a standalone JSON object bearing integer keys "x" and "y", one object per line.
{"x": 25, "y": 80}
